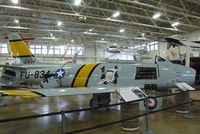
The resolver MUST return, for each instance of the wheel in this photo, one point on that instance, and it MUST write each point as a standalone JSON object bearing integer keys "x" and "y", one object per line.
{"x": 91, "y": 102}
{"x": 100, "y": 100}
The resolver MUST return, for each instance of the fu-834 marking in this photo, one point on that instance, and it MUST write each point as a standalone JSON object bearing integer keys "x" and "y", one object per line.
{"x": 36, "y": 74}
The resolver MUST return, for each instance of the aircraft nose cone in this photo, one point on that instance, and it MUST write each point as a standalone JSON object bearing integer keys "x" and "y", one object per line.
{"x": 192, "y": 74}
{"x": 193, "y": 71}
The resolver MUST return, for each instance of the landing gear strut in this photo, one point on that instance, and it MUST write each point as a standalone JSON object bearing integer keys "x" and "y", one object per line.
{"x": 100, "y": 100}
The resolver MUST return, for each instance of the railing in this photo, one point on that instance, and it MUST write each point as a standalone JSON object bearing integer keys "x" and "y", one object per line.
{"x": 62, "y": 113}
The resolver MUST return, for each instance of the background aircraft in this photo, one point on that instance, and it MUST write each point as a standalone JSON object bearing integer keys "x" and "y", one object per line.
{"x": 186, "y": 58}
{"x": 117, "y": 49}
{"x": 177, "y": 41}
{"x": 97, "y": 79}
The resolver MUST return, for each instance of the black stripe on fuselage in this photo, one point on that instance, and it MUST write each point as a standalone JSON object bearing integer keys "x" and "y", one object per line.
{"x": 90, "y": 75}
{"x": 76, "y": 75}
{"x": 15, "y": 40}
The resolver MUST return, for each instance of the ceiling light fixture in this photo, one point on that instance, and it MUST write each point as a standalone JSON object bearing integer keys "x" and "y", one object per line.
{"x": 77, "y": 2}
{"x": 102, "y": 39}
{"x": 72, "y": 41}
{"x": 122, "y": 30}
{"x": 15, "y": 1}
{"x": 174, "y": 24}
{"x": 16, "y": 21}
{"x": 116, "y": 14}
{"x": 90, "y": 30}
{"x": 82, "y": 17}
{"x": 59, "y": 23}
{"x": 156, "y": 15}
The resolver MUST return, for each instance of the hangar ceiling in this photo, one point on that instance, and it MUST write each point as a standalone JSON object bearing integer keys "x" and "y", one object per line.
{"x": 92, "y": 20}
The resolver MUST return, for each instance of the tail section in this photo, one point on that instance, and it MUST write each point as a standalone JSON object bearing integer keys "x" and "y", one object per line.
{"x": 20, "y": 50}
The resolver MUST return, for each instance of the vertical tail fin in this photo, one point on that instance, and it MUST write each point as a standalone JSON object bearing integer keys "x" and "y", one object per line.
{"x": 18, "y": 47}
{"x": 20, "y": 50}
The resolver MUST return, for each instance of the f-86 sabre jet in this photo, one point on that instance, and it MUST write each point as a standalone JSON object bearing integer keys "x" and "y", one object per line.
{"x": 99, "y": 79}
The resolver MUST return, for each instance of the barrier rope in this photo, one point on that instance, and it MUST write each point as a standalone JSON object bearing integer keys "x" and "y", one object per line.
{"x": 104, "y": 125}
{"x": 70, "y": 111}
{"x": 130, "y": 118}
{"x": 78, "y": 110}
{"x": 95, "y": 108}
{"x": 29, "y": 117}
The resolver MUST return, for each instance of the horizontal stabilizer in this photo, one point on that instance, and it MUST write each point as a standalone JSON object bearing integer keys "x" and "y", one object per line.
{"x": 13, "y": 67}
{"x": 20, "y": 68}
{"x": 23, "y": 93}
{"x": 184, "y": 86}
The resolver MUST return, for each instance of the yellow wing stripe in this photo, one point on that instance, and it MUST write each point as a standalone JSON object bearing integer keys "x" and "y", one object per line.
{"x": 23, "y": 94}
{"x": 83, "y": 74}
{"x": 19, "y": 48}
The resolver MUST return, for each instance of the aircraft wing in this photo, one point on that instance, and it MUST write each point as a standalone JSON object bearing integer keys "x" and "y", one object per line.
{"x": 125, "y": 92}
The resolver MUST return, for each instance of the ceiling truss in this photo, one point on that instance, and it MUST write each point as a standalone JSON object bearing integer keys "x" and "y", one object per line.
{"x": 38, "y": 18}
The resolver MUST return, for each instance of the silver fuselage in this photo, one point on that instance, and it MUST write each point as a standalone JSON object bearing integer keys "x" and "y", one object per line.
{"x": 160, "y": 75}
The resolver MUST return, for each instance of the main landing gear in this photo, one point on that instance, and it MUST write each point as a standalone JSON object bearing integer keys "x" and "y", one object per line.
{"x": 100, "y": 100}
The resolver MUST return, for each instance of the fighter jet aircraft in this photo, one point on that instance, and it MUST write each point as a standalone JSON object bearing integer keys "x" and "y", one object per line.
{"x": 98, "y": 79}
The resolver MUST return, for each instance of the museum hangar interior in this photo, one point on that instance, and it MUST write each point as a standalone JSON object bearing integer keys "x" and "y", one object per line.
{"x": 99, "y": 66}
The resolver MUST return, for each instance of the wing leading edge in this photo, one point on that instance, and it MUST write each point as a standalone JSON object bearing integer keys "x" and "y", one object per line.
{"x": 32, "y": 93}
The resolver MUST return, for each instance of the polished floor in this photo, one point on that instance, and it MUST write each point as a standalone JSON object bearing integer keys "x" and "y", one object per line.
{"x": 167, "y": 122}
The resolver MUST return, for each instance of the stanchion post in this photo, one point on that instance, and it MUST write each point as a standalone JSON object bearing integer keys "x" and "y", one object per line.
{"x": 189, "y": 115}
{"x": 147, "y": 113}
{"x": 147, "y": 131}
{"x": 62, "y": 122}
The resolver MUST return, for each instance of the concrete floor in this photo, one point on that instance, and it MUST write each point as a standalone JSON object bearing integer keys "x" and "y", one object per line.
{"x": 167, "y": 122}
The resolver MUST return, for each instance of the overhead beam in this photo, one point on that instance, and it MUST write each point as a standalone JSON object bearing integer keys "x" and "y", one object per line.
{"x": 90, "y": 17}
{"x": 160, "y": 8}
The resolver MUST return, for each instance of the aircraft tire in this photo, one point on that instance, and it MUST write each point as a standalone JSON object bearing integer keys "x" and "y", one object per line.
{"x": 100, "y": 100}
{"x": 91, "y": 102}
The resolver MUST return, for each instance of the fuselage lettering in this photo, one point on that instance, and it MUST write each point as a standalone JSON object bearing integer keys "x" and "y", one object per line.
{"x": 42, "y": 73}
{"x": 27, "y": 75}
{"x": 36, "y": 74}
